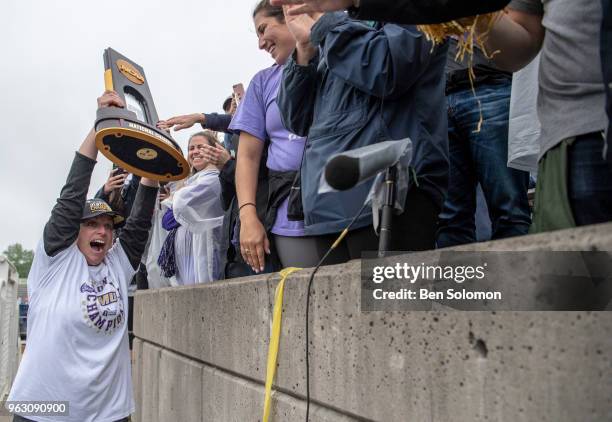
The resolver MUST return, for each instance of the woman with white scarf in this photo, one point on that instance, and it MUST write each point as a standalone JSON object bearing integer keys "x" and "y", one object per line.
{"x": 194, "y": 216}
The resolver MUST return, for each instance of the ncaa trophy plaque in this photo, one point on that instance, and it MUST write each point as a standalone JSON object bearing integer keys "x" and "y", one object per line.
{"x": 128, "y": 137}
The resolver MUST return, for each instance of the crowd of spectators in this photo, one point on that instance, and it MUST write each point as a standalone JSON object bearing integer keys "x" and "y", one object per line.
{"x": 253, "y": 204}
{"x": 340, "y": 82}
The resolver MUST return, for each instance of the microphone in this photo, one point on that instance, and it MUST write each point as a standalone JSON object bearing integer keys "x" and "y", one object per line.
{"x": 350, "y": 168}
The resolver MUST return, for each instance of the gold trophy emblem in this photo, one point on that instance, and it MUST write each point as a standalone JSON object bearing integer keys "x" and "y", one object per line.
{"x": 128, "y": 137}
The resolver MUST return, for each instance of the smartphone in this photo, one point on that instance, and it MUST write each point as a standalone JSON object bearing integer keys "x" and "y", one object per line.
{"x": 118, "y": 170}
{"x": 238, "y": 92}
{"x": 163, "y": 189}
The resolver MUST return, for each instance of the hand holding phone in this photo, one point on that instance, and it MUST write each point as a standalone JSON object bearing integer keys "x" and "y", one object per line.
{"x": 164, "y": 192}
{"x": 238, "y": 92}
{"x": 118, "y": 170}
{"x": 115, "y": 180}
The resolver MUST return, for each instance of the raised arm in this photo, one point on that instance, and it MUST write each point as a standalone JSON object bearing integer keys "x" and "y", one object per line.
{"x": 212, "y": 121}
{"x": 423, "y": 11}
{"x": 135, "y": 234}
{"x": 516, "y": 38}
{"x": 297, "y": 92}
{"x": 63, "y": 226}
{"x": 399, "y": 11}
{"x": 217, "y": 122}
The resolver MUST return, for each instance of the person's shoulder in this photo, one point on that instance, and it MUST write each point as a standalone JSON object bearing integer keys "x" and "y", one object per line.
{"x": 196, "y": 179}
{"x": 264, "y": 75}
{"x": 63, "y": 254}
{"x": 206, "y": 174}
{"x": 210, "y": 171}
{"x": 260, "y": 87}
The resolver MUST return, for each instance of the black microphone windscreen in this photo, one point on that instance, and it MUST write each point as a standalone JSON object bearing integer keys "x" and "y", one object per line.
{"x": 342, "y": 172}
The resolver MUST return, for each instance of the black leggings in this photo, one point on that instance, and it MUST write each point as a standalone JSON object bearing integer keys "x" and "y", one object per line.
{"x": 414, "y": 230}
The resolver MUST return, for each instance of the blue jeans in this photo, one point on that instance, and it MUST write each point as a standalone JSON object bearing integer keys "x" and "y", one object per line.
{"x": 483, "y": 222}
{"x": 482, "y": 158}
{"x": 590, "y": 180}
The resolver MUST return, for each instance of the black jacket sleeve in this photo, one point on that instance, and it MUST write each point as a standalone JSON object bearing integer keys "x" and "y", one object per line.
{"x": 227, "y": 178}
{"x": 135, "y": 234}
{"x": 423, "y": 12}
{"x": 217, "y": 122}
{"x": 63, "y": 227}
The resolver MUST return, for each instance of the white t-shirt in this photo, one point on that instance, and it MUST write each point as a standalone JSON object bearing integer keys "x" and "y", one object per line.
{"x": 77, "y": 347}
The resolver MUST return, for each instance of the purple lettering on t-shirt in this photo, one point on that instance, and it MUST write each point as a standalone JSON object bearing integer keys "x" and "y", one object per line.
{"x": 99, "y": 322}
{"x": 259, "y": 116}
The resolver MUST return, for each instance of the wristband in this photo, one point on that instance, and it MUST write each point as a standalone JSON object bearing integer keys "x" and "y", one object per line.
{"x": 244, "y": 205}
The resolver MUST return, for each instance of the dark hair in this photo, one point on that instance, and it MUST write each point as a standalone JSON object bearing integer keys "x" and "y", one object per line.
{"x": 227, "y": 104}
{"x": 270, "y": 11}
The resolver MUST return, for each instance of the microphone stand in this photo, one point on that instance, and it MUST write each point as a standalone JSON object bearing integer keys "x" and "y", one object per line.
{"x": 384, "y": 241}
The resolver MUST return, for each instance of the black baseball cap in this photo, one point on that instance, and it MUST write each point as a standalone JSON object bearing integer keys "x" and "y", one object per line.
{"x": 96, "y": 207}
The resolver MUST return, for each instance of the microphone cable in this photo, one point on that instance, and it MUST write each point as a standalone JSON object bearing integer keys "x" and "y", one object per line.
{"x": 321, "y": 261}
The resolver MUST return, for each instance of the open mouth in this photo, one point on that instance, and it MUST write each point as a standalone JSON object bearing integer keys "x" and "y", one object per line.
{"x": 97, "y": 245}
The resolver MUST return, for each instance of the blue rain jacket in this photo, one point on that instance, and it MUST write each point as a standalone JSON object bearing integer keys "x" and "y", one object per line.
{"x": 369, "y": 83}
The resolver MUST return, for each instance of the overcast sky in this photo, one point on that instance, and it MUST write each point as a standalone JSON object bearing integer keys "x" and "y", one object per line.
{"x": 51, "y": 72}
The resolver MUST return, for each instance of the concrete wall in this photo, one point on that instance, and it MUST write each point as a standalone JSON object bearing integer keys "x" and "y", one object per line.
{"x": 200, "y": 353}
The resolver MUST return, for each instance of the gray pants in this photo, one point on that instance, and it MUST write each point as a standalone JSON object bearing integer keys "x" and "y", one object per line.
{"x": 305, "y": 252}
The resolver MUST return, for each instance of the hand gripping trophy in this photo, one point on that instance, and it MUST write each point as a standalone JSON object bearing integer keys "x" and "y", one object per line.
{"x": 128, "y": 137}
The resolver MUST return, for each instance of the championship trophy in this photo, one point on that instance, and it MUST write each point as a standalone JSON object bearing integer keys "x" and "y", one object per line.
{"x": 128, "y": 137}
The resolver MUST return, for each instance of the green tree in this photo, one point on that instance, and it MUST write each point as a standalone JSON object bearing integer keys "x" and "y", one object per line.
{"x": 20, "y": 257}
